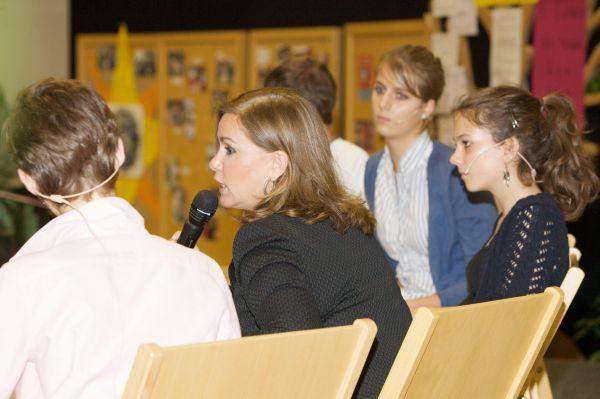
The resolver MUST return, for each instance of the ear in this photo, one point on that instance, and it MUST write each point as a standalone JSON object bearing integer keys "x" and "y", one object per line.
{"x": 279, "y": 164}
{"x": 28, "y": 182}
{"x": 428, "y": 108}
{"x": 510, "y": 148}
{"x": 120, "y": 154}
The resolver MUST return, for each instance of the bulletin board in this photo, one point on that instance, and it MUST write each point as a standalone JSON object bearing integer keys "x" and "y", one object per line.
{"x": 267, "y": 48}
{"x": 202, "y": 71}
{"x": 365, "y": 43}
{"x": 181, "y": 79}
{"x": 96, "y": 57}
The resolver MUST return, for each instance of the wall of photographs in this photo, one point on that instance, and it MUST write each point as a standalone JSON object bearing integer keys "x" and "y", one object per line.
{"x": 182, "y": 78}
{"x": 96, "y": 56}
{"x": 203, "y": 71}
{"x": 269, "y": 47}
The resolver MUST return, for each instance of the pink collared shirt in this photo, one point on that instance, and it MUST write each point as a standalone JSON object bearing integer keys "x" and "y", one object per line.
{"x": 75, "y": 308}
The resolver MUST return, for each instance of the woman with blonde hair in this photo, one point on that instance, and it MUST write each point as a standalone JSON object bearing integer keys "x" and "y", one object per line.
{"x": 426, "y": 222}
{"x": 527, "y": 153}
{"x": 305, "y": 256}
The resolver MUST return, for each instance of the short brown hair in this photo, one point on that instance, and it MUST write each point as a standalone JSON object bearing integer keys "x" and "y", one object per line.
{"x": 63, "y": 135}
{"x": 311, "y": 79}
{"x": 281, "y": 119}
{"x": 548, "y": 137}
{"x": 418, "y": 68}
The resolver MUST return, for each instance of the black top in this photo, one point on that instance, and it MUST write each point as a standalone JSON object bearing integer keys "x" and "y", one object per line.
{"x": 289, "y": 275}
{"x": 529, "y": 253}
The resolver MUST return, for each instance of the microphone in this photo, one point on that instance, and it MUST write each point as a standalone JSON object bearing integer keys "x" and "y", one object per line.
{"x": 203, "y": 207}
{"x": 466, "y": 172}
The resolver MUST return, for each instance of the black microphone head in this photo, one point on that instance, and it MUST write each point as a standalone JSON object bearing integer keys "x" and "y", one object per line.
{"x": 203, "y": 206}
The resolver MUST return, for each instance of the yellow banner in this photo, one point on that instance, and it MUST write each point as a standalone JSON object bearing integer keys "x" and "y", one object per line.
{"x": 492, "y": 3}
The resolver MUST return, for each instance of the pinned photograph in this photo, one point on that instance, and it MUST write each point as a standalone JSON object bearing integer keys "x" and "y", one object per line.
{"x": 189, "y": 125}
{"x": 364, "y": 134}
{"x": 176, "y": 68}
{"x": 179, "y": 206}
{"x": 130, "y": 122}
{"x": 106, "y": 58}
{"x": 196, "y": 76}
{"x": 175, "y": 112}
{"x": 225, "y": 70}
{"x": 365, "y": 77}
{"x": 145, "y": 62}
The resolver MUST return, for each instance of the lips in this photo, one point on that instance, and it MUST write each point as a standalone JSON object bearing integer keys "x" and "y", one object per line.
{"x": 382, "y": 119}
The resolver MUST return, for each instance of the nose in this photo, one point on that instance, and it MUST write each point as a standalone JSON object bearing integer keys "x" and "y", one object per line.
{"x": 215, "y": 162}
{"x": 385, "y": 101}
{"x": 455, "y": 158}
{"x": 381, "y": 101}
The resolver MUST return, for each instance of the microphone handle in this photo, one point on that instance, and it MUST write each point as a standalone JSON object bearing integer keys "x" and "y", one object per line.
{"x": 190, "y": 234}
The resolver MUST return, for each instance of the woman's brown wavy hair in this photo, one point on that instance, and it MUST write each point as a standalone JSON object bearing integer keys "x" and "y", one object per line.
{"x": 280, "y": 119}
{"x": 548, "y": 138}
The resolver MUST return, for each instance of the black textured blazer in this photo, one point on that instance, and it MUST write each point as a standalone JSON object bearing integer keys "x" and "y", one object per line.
{"x": 289, "y": 275}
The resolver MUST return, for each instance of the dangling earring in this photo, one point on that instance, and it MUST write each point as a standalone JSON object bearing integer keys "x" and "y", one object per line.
{"x": 269, "y": 186}
{"x": 506, "y": 177}
{"x": 424, "y": 117}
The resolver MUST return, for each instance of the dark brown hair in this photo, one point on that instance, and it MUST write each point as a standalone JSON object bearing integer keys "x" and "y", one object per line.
{"x": 418, "y": 68}
{"x": 311, "y": 79}
{"x": 280, "y": 119}
{"x": 64, "y": 136}
{"x": 548, "y": 138}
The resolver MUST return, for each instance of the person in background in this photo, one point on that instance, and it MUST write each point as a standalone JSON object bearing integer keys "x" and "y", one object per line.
{"x": 315, "y": 83}
{"x": 426, "y": 222}
{"x": 527, "y": 153}
{"x": 305, "y": 256}
{"x": 88, "y": 288}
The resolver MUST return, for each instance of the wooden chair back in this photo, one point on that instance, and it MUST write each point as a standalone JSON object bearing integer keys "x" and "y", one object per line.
{"x": 484, "y": 350}
{"x": 320, "y": 363}
{"x": 539, "y": 383}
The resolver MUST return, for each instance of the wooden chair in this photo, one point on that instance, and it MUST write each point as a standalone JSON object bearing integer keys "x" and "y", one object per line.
{"x": 320, "y": 363}
{"x": 539, "y": 384}
{"x": 484, "y": 350}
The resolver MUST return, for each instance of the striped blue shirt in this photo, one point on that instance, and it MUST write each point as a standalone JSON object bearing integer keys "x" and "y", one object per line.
{"x": 402, "y": 209}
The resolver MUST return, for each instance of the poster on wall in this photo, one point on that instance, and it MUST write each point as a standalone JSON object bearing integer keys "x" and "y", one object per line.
{"x": 560, "y": 50}
{"x": 130, "y": 122}
{"x": 506, "y": 47}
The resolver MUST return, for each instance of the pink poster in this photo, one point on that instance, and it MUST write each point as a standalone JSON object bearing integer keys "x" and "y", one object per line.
{"x": 559, "y": 55}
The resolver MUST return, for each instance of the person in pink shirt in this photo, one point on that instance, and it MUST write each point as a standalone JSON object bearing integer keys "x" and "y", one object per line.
{"x": 92, "y": 285}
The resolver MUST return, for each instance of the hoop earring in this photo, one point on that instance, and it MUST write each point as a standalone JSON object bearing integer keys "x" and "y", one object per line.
{"x": 269, "y": 186}
{"x": 506, "y": 177}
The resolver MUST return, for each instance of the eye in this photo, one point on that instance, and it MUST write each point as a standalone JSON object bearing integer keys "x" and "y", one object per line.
{"x": 229, "y": 150}
{"x": 379, "y": 89}
{"x": 465, "y": 143}
{"x": 400, "y": 95}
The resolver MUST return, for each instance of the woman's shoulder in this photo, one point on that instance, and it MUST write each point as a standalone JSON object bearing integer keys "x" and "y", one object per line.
{"x": 536, "y": 213}
{"x": 275, "y": 224}
{"x": 272, "y": 230}
{"x": 542, "y": 205}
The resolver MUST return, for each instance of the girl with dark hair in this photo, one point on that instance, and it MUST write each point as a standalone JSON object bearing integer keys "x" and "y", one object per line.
{"x": 305, "y": 256}
{"x": 527, "y": 153}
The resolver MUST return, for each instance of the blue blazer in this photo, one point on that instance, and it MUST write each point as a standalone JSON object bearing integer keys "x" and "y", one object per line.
{"x": 459, "y": 223}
